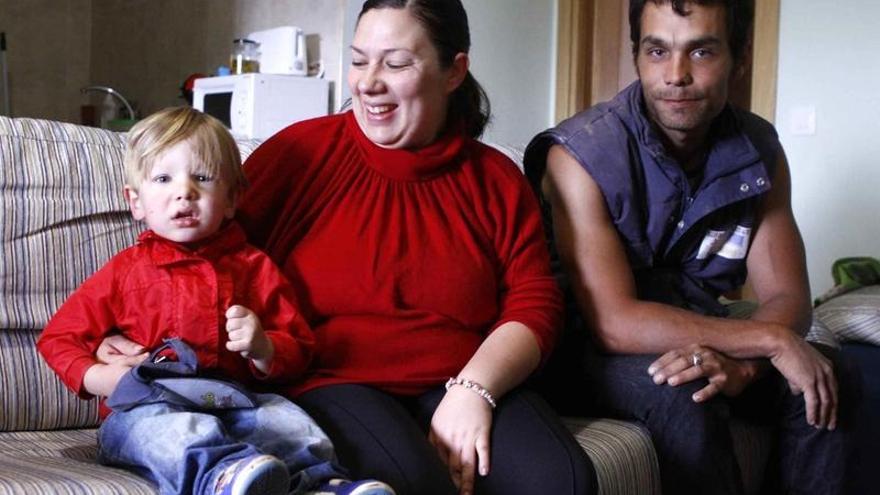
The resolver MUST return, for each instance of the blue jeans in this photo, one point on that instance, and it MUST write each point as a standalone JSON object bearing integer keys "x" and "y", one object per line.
{"x": 184, "y": 451}
{"x": 693, "y": 441}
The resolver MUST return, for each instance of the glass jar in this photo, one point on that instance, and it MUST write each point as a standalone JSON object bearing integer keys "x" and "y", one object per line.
{"x": 245, "y": 56}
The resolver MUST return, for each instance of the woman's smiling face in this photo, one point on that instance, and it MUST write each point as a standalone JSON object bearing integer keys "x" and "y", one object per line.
{"x": 400, "y": 92}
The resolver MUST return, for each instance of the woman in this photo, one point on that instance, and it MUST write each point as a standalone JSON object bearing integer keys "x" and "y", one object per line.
{"x": 420, "y": 261}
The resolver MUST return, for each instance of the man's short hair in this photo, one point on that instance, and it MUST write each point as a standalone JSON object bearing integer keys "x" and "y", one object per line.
{"x": 740, "y": 15}
{"x": 212, "y": 145}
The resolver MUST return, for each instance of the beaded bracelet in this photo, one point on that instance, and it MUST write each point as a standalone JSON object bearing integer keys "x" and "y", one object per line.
{"x": 476, "y": 387}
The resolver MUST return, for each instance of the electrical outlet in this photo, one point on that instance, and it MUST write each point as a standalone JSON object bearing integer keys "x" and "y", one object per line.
{"x": 803, "y": 120}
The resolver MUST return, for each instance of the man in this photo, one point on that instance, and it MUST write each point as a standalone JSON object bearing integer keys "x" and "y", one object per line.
{"x": 661, "y": 201}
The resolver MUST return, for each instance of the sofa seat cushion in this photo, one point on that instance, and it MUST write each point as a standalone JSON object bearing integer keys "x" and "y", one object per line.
{"x": 622, "y": 455}
{"x": 31, "y": 395}
{"x": 626, "y": 463}
{"x": 854, "y": 316}
{"x": 52, "y": 462}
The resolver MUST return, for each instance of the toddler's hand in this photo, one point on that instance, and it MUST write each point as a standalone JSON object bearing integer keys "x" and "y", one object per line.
{"x": 101, "y": 379}
{"x": 116, "y": 349}
{"x": 246, "y": 335}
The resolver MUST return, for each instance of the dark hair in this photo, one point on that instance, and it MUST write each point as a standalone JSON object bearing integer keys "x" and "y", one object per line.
{"x": 446, "y": 23}
{"x": 740, "y": 14}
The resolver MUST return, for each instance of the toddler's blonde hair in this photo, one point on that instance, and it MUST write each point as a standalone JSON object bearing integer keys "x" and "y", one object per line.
{"x": 212, "y": 145}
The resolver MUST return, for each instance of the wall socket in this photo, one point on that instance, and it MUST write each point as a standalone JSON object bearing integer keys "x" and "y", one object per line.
{"x": 802, "y": 119}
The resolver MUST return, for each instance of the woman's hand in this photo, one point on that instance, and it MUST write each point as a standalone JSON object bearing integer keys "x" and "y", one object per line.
{"x": 460, "y": 432}
{"x": 118, "y": 350}
{"x": 726, "y": 376}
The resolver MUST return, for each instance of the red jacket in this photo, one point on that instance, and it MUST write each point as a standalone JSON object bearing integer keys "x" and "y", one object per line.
{"x": 158, "y": 289}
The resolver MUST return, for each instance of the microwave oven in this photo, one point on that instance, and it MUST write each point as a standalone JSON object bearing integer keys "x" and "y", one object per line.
{"x": 258, "y": 105}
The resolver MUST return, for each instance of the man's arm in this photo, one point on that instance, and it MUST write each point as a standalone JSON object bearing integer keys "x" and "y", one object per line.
{"x": 777, "y": 261}
{"x": 604, "y": 288}
{"x": 602, "y": 279}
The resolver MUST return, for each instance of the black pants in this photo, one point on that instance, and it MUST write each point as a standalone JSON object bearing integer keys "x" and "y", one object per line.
{"x": 377, "y": 435}
{"x": 693, "y": 441}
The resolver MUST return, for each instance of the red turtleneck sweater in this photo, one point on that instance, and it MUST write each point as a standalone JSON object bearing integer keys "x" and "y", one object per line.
{"x": 403, "y": 261}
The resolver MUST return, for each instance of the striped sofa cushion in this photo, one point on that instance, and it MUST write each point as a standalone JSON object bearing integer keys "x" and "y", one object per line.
{"x": 54, "y": 462}
{"x": 31, "y": 396}
{"x": 63, "y": 213}
{"x": 854, "y": 316}
{"x": 626, "y": 463}
{"x": 622, "y": 455}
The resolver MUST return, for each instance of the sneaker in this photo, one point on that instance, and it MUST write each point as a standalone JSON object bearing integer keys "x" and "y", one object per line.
{"x": 346, "y": 487}
{"x": 254, "y": 475}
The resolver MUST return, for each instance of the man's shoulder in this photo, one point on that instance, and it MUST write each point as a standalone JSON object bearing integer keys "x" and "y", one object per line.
{"x": 589, "y": 135}
{"x": 762, "y": 135}
{"x": 604, "y": 122}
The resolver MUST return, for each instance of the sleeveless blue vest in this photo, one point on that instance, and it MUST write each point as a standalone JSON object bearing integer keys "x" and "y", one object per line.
{"x": 686, "y": 247}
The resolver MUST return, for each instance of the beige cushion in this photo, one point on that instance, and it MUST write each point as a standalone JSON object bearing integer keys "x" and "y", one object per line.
{"x": 626, "y": 463}
{"x": 56, "y": 462}
{"x": 63, "y": 214}
{"x": 622, "y": 455}
{"x": 854, "y": 316}
{"x": 31, "y": 395}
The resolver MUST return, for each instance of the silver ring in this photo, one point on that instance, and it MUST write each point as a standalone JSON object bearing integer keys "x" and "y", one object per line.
{"x": 697, "y": 359}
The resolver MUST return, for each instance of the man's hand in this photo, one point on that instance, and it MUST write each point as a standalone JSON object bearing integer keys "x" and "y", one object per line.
{"x": 810, "y": 373}
{"x": 118, "y": 350}
{"x": 460, "y": 432}
{"x": 726, "y": 376}
{"x": 246, "y": 337}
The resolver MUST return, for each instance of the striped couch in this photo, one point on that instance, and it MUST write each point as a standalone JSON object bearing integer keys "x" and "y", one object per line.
{"x": 61, "y": 217}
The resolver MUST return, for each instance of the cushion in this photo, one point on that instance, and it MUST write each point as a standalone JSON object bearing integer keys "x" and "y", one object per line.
{"x": 31, "y": 395}
{"x": 622, "y": 454}
{"x": 55, "y": 462}
{"x": 626, "y": 463}
{"x": 63, "y": 214}
{"x": 854, "y": 316}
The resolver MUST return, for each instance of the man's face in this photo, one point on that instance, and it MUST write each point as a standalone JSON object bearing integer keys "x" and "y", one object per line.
{"x": 685, "y": 66}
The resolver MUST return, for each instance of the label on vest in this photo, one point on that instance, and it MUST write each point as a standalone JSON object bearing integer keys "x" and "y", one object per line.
{"x": 732, "y": 244}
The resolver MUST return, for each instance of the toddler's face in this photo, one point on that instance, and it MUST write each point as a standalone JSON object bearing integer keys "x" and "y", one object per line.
{"x": 180, "y": 201}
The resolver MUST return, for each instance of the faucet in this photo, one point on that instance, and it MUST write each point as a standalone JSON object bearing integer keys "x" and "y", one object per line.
{"x": 112, "y": 92}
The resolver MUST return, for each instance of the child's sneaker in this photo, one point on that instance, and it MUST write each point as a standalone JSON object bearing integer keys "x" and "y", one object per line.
{"x": 254, "y": 475}
{"x": 346, "y": 487}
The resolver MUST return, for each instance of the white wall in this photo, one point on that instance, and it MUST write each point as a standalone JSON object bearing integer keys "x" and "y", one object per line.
{"x": 512, "y": 56}
{"x": 828, "y": 60}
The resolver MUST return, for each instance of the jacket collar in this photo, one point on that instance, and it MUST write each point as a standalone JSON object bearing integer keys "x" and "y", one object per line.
{"x": 730, "y": 149}
{"x": 162, "y": 251}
